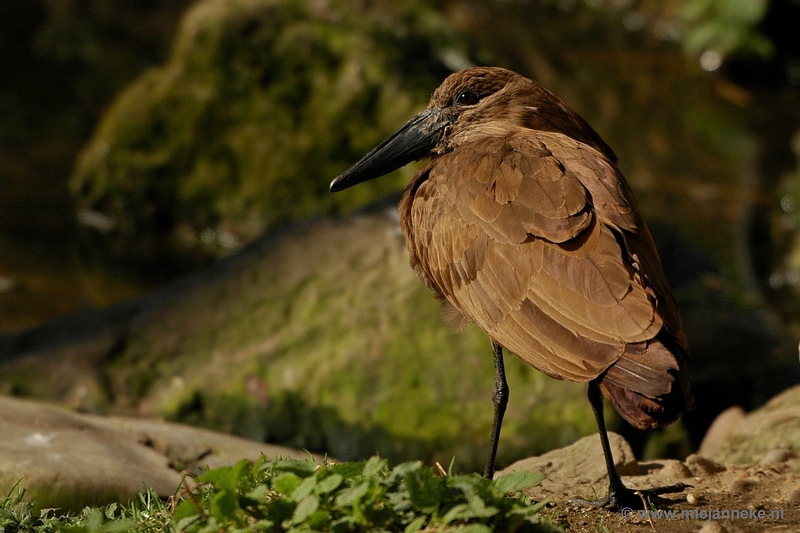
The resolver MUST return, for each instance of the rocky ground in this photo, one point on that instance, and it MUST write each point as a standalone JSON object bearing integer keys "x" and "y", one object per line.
{"x": 761, "y": 497}
{"x": 748, "y": 467}
{"x": 745, "y": 478}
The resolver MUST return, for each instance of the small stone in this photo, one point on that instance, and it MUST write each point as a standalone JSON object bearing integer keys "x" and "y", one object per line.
{"x": 742, "y": 485}
{"x": 704, "y": 465}
{"x": 692, "y": 499}
{"x": 674, "y": 469}
{"x": 777, "y": 456}
{"x": 794, "y": 495}
{"x": 713, "y": 527}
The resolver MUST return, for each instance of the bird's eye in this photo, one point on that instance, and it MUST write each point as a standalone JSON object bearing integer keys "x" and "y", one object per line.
{"x": 467, "y": 98}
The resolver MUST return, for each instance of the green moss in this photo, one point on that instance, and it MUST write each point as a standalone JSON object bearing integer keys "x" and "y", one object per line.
{"x": 260, "y": 105}
{"x": 325, "y": 339}
{"x": 773, "y": 426}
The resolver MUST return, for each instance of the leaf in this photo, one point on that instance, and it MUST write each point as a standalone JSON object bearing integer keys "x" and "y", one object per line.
{"x": 305, "y": 509}
{"x": 329, "y": 484}
{"x": 304, "y": 489}
{"x": 374, "y": 466}
{"x": 345, "y": 523}
{"x": 518, "y": 481}
{"x": 425, "y": 489}
{"x": 457, "y": 512}
{"x": 318, "y": 519}
{"x": 468, "y": 483}
{"x": 474, "y": 508}
{"x": 529, "y": 512}
{"x": 286, "y": 483}
{"x": 347, "y": 470}
{"x": 111, "y": 510}
{"x": 301, "y": 467}
{"x": 479, "y": 509}
{"x": 119, "y": 525}
{"x": 538, "y": 506}
{"x": 300, "y": 529}
{"x": 184, "y": 523}
{"x": 470, "y": 528}
{"x": 349, "y": 496}
{"x": 415, "y": 525}
{"x": 260, "y": 525}
{"x": 403, "y": 469}
{"x": 258, "y": 494}
{"x": 280, "y": 510}
{"x": 225, "y": 477}
{"x": 224, "y": 505}
{"x": 94, "y": 519}
{"x": 185, "y": 509}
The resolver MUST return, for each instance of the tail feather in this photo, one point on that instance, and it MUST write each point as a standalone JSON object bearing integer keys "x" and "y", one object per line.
{"x": 649, "y": 385}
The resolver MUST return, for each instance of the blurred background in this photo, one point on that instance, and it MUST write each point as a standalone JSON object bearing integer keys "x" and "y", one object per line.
{"x": 168, "y": 246}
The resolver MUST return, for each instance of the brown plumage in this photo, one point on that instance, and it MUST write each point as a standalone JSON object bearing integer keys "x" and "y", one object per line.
{"x": 522, "y": 222}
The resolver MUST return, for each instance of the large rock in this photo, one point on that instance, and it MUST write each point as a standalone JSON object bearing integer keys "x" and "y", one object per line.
{"x": 319, "y": 337}
{"x": 578, "y": 468}
{"x": 70, "y": 460}
{"x": 767, "y": 435}
{"x": 260, "y": 104}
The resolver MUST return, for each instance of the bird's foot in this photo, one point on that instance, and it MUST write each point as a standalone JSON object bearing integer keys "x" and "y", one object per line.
{"x": 621, "y": 498}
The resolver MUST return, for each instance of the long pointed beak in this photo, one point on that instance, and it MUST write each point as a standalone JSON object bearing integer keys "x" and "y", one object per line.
{"x": 413, "y": 141}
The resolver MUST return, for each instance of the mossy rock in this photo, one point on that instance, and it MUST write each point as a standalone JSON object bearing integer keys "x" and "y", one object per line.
{"x": 320, "y": 337}
{"x": 324, "y": 339}
{"x": 775, "y": 426}
{"x": 260, "y": 105}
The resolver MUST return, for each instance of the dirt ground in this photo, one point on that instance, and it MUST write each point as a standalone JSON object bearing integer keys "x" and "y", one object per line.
{"x": 721, "y": 497}
{"x": 737, "y": 500}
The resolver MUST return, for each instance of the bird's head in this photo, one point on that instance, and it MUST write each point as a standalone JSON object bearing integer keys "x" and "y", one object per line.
{"x": 471, "y": 104}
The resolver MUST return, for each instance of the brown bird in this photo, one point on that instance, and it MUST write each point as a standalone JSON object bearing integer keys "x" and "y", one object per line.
{"x": 524, "y": 225}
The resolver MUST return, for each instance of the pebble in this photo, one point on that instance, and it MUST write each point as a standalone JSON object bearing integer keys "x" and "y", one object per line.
{"x": 675, "y": 470}
{"x": 692, "y": 499}
{"x": 704, "y": 465}
{"x": 742, "y": 484}
{"x": 774, "y": 457}
{"x": 794, "y": 495}
{"x": 713, "y": 527}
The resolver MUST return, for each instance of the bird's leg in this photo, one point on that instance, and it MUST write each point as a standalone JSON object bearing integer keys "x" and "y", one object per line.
{"x": 619, "y": 496}
{"x": 500, "y": 400}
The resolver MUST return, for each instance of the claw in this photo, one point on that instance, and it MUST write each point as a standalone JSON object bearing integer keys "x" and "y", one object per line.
{"x": 621, "y": 497}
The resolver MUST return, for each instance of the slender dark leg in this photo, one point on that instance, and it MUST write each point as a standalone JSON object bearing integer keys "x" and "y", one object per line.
{"x": 618, "y": 494}
{"x": 596, "y": 401}
{"x": 500, "y": 399}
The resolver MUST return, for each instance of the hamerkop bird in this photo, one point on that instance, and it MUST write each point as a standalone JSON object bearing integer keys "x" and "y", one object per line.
{"x": 524, "y": 225}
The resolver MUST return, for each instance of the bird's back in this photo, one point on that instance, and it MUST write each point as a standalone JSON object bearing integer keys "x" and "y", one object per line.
{"x": 536, "y": 238}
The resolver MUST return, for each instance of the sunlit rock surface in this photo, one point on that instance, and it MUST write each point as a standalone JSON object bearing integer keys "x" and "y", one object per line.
{"x": 768, "y": 435}
{"x": 70, "y": 460}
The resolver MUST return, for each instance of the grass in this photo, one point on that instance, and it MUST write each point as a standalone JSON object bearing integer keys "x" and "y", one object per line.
{"x": 294, "y": 496}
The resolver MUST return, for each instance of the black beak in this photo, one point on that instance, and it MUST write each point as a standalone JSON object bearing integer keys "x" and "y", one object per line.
{"x": 413, "y": 141}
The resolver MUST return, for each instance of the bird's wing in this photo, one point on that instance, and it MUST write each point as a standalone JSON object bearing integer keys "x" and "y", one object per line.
{"x": 526, "y": 236}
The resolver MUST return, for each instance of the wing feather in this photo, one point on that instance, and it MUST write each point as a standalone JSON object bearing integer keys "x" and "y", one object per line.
{"x": 527, "y": 236}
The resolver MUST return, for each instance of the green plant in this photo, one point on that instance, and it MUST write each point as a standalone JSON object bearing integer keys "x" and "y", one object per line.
{"x": 289, "y": 495}
{"x": 300, "y": 495}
